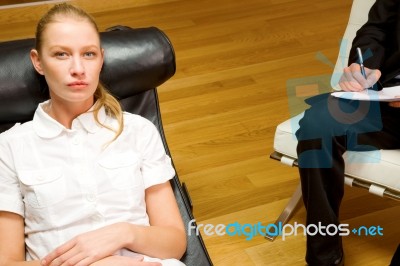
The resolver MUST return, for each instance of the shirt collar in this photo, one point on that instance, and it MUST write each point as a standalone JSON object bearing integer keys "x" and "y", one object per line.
{"x": 88, "y": 122}
{"x": 47, "y": 127}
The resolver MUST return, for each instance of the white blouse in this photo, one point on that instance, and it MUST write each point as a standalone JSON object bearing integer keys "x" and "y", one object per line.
{"x": 68, "y": 181}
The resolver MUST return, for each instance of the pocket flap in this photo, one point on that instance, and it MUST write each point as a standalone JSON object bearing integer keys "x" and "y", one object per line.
{"x": 40, "y": 176}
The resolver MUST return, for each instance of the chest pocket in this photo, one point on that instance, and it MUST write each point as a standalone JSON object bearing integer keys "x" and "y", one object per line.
{"x": 42, "y": 188}
{"x": 123, "y": 170}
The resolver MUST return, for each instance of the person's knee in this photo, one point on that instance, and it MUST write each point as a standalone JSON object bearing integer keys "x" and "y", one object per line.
{"x": 314, "y": 125}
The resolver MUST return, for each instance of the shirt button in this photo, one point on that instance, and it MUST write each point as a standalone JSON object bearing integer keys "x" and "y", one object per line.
{"x": 76, "y": 140}
{"x": 98, "y": 217}
{"x": 91, "y": 197}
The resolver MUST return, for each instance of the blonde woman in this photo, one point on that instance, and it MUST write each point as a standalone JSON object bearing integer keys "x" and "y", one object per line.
{"x": 84, "y": 183}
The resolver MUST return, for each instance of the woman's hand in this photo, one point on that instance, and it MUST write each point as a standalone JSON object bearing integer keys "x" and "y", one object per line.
{"x": 124, "y": 261}
{"x": 353, "y": 80}
{"x": 89, "y": 247}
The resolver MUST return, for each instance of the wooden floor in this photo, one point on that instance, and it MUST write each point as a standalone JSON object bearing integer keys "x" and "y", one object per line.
{"x": 17, "y": 2}
{"x": 236, "y": 61}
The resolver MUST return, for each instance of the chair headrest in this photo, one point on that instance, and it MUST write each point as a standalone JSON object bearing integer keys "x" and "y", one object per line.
{"x": 135, "y": 60}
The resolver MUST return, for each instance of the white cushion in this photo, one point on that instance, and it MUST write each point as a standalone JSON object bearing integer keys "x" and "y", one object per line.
{"x": 379, "y": 167}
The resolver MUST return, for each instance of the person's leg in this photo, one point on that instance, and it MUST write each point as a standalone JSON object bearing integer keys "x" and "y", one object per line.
{"x": 328, "y": 129}
{"x": 396, "y": 258}
{"x": 323, "y": 191}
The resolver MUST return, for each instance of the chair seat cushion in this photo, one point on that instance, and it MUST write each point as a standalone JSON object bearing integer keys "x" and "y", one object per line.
{"x": 380, "y": 167}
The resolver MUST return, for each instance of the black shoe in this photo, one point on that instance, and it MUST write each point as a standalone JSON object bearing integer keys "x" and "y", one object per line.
{"x": 396, "y": 258}
{"x": 339, "y": 262}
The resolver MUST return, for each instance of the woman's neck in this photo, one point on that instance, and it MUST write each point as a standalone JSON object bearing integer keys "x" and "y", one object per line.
{"x": 66, "y": 113}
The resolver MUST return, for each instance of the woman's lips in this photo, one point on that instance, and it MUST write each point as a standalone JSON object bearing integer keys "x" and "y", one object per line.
{"x": 77, "y": 84}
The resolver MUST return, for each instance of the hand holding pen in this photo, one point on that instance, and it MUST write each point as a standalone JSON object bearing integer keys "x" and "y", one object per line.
{"x": 361, "y": 60}
{"x": 357, "y": 77}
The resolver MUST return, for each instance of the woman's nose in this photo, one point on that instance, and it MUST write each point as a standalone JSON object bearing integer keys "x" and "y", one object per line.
{"x": 77, "y": 67}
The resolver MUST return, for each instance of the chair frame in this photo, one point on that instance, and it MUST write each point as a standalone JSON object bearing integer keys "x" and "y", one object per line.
{"x": 350, "y": 180}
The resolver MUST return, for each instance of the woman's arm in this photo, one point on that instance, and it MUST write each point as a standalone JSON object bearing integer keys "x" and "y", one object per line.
{"x": 164, "y": 238}
{"x": 12, "y": 241}
{"x": 124, "y": 261}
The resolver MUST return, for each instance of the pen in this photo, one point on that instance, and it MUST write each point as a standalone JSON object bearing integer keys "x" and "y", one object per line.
{"x": 360, "y": 59}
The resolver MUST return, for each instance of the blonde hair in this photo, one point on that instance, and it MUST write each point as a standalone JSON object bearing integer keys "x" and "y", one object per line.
{"x": 101, "y": 95}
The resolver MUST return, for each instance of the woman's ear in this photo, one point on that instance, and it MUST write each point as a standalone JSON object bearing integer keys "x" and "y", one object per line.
{"x": 36, "y": 61}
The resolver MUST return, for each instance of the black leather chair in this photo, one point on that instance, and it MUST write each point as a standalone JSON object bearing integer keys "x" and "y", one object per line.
{"x": 136, "y": 62}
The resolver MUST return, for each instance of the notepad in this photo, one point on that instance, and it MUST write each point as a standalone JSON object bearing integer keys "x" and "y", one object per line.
{"x": 388, "y": 94}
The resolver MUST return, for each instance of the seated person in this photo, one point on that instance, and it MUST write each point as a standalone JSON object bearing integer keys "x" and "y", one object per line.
{"x": 84, "y": 183}
{"x": 332, "y": 125}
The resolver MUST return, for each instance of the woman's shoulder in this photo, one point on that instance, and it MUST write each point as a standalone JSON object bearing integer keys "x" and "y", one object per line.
{"x": 18, "y": 130}
{"x": 15, "y": 134}
{"x": 136, "y": 120}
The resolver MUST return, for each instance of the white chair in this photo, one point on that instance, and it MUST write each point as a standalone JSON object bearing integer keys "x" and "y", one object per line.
{"x": 377, "y": 171}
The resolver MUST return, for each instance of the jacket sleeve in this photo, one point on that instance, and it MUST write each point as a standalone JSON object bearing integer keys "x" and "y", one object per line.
{"x": 375, "y": 36}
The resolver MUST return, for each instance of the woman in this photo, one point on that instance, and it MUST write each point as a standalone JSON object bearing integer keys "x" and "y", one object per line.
{"x": 85, "y": 183}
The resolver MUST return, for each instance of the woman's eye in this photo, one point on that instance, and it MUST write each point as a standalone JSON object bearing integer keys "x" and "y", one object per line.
{"x": 61, "y": 54}
{"x": 90, "y": 54}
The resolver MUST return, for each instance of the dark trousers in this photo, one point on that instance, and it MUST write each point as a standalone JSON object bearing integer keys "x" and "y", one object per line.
{"x": 396, "y": 258}
{"x": 330, "y": 127}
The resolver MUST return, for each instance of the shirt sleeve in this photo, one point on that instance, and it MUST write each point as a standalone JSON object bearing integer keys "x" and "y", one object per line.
{"x": 376, "y": 36}
{"x": 156, "y": 166}
{"x": 10, "y": 193}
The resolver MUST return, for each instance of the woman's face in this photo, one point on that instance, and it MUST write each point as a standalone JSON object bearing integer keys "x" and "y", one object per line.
{"x": 70, "y": 59}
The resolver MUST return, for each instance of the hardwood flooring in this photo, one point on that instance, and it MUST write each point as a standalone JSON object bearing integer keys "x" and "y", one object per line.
{"x": 236, "y": 61}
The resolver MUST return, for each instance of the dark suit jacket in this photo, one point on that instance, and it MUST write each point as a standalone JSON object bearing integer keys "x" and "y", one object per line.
{"x": 379, "y": 39}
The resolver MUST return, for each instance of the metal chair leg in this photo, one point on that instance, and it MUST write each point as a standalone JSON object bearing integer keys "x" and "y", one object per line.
{"x": 288, "y": 211}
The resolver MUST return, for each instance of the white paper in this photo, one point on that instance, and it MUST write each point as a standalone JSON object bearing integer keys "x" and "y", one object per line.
{"x": 388, "y": 94}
